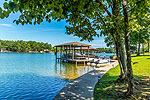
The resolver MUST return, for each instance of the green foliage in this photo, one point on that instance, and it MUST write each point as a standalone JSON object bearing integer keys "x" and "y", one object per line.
{"x": 139, "y": 37}
{"x": 106, "y": 50}
{"x": 24, "y": 46}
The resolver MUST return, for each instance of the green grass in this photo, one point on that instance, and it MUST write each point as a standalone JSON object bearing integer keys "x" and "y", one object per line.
{"x": 107, "y": 89}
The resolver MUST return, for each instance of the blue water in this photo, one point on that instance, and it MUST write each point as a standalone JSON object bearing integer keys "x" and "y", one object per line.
{"x": 26, "y": 76}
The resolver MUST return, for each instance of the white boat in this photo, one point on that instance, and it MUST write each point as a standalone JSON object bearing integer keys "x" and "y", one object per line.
{"x": 88, "y": 63}
{"x": 102, "y": 61}
{"x": 105, "y": 61}
{"x": 98, "y": 65}
{"x": 95, "y": 60}
{"x": 93, "y": 64}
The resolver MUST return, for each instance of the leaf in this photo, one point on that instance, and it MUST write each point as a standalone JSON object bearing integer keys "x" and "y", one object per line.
{"x": 49, "y": 20}
{"x": 17, "y": 22}
{"x": 41, "y": 1}
{"x": 5, "y": 5}
{"x": 0, "y": 10}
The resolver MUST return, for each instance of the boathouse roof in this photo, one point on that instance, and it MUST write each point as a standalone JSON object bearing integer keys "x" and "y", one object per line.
{"x": 86, "y": 48}
{"x": 73, "y": 44}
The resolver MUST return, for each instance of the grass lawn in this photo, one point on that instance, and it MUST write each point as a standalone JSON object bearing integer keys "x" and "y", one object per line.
{"x": 107, "y": 89}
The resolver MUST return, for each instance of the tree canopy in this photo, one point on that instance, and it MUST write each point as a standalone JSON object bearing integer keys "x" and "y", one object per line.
{"x": 83, "y": 16}
{"x": 24, "y": 46}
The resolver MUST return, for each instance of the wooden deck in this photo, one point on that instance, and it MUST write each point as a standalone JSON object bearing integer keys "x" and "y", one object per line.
{"x": 76, "y": 60}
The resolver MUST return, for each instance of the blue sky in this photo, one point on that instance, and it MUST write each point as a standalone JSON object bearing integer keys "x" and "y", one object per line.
{"x": 53, "y": 33}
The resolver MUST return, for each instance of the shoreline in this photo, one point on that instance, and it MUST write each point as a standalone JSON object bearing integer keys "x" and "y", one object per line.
{"x": 27, "y": 52}
{"x": 83, "y": 86}
{"x": 41, "y": 52}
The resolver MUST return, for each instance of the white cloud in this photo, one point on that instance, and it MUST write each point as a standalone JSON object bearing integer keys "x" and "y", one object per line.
{"x": 7, "y": 25}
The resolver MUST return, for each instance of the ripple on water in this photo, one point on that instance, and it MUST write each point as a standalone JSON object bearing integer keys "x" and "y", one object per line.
{"x": 29, "y": 86}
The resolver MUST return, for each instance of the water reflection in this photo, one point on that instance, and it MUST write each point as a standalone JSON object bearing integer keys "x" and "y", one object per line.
{"x": 71, "y": 71}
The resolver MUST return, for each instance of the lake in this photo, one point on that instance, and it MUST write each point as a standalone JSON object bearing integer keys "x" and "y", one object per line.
{"x": 25, "y": 76}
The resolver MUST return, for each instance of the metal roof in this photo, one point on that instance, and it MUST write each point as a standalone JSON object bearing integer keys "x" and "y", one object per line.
{"x": 73, "y": 44}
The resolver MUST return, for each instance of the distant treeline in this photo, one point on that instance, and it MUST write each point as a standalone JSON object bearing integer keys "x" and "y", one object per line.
{"x": 24, "y": 46}
{"x": 106, "y": 50}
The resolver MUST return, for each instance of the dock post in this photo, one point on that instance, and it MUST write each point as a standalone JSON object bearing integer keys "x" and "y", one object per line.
{"x": 61, "y": 54}
{"x": 56, "y": 53}
{"x": 80, "y": 50}
{"x": 88, "y": 52}
{"x": 84, "y": 63}
{"x": 76, "y": 63}
{"x": 66, "y": 53}
{"x": 73, "y": 54}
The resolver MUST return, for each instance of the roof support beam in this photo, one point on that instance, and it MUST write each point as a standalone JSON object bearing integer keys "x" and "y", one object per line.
{"x": 88, "y": 52}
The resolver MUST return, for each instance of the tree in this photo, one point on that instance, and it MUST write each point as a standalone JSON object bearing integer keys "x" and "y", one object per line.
{"x": 139, "y": 38}
{"x": 0, "y": 45}
{"x": 24, "y": 46}
{"x": 85, "y": 17}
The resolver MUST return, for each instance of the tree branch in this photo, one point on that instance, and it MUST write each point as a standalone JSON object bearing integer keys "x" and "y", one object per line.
{"x": 98, "y": 1}
{"x": 102, "y": 20}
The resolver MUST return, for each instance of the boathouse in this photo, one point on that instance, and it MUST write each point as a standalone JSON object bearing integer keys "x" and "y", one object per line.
{"x": 73, "y": 52}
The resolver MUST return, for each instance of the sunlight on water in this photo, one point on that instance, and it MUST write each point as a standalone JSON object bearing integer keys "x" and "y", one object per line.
{"x": 71, "y": 71}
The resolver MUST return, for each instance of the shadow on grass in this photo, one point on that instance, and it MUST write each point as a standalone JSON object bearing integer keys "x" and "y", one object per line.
{"x": 135, "y": 63}
{"x": 109, "y": 89}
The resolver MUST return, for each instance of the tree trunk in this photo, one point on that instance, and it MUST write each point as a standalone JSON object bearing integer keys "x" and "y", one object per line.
{"x": 143, "y": 48}
{"x": 127, "y": 45}
{"x": 121, "y": 56}
{"x": 119, "y": 42}
{"x": 136, "y": 49}
{"x": 122, "y": 63}
{"x": 148, "y": 47}
{"x": 119, "y": 61}
{"x": 138, "y": 52}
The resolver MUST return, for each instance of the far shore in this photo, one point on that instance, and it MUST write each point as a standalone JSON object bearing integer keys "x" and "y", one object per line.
{"x": 24, "y": 52}
{"x": 36, "y": 52}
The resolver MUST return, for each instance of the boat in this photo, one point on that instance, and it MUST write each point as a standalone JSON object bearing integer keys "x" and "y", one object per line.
{"x": 88, "y": 63}
{"x": 93, "y": 64}
{"x": 101, "y": 65}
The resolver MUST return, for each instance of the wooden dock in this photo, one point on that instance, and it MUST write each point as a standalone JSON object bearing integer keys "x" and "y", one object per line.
{"x": 76, "y": 61}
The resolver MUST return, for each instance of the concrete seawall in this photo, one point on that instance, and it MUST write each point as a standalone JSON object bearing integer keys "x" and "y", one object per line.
{"x": 83, "y": 87}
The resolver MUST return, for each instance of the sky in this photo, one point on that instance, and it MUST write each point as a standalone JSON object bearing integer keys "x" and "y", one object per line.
{"x": 53, "y": 33}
